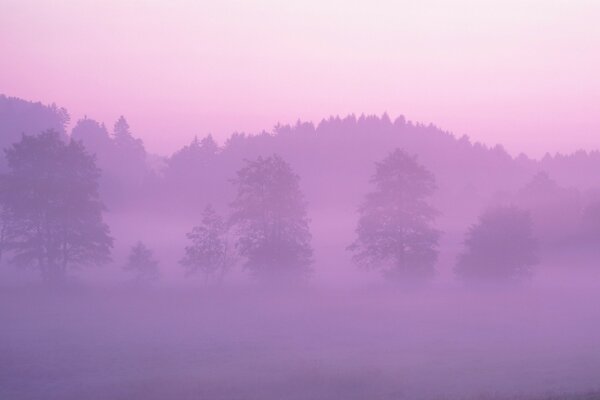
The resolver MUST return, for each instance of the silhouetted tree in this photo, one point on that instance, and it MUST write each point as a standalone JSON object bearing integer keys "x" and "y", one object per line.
{"x": 125, "y": 140}
{"x": 196, "y": 157}
{"x": 122, "y": 158}
{"x": 208, "y": 147}
{"x": 270, "y": 215}
{"x": 127, "y": 161}
{"x": 198, "y": 161}
{"x": 394, "y": 231}
{"x": 555, "y": 211}
{"x": 499, "y": 248}
{"x": 19, "y": 117}
{"x": 141, "y": 263}
{"x": 50, "y": 196}
{"x": 94, "y": 137}
{"x": 208, "y": 252}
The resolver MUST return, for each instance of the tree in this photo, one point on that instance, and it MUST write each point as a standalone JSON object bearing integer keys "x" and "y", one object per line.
{"x": 54, "y": 213}
{"x": 555, "y": 211}
{"x": 499, "y": 248}
{"x": 94, "y": 137}
{"x": 199, "y": 162}
{"x": 141, "y": 263}
{"x": 269, "y": 213}
{"x": 126, "y": 163}
{"x": 208, "y": 252}
{"x": 195, "y": 157}
{"x": 18, "y": 116}
{"x": 125, "y": 141}
{"x": 394, "y": 232}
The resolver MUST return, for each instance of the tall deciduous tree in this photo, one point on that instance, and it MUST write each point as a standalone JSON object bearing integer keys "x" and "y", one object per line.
{"x": 272, "y": 225}
{"x": 394, "y": 231}
{"x": 499, "y": 248}
{"x": 50, "y": 197}
{"x": 208, "y": 252}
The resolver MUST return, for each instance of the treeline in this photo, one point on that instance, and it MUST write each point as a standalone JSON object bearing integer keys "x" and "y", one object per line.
{"x": 414, "y": 203}
{"x": 52, "y": 220}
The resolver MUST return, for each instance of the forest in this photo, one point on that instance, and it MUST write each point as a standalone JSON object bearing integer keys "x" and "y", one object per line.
{"x": 329, "y": 203}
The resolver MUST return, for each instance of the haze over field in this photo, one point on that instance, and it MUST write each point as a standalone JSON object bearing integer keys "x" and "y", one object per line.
{"x": 163, "y": 236}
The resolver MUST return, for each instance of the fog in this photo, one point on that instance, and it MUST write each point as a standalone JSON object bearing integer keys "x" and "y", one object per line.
{"x": 357, "y": 258}
{"x": 251, "y": 344}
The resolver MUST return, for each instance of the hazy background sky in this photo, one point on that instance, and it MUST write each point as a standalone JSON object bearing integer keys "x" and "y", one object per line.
{"x": 523, "y": 73}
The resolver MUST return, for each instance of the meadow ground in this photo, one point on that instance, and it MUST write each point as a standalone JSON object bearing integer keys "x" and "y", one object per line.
{"x": 249, "y": 343}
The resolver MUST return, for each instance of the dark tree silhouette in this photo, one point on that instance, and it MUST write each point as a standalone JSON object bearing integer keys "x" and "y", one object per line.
{"x": 394, "y": 231}
{"x": 50, "y": 196}
{"x": 270, "y": 215}
{"x": 142, "y": 264}
{"x": 499, "y": 248}
{"x": 208, "y": 252}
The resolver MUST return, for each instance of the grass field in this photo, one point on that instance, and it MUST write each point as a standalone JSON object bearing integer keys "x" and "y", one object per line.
{"x": 86, "y": 343}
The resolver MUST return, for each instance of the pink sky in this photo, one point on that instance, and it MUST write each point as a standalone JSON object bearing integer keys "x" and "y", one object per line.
{"x": 522, "y": 73}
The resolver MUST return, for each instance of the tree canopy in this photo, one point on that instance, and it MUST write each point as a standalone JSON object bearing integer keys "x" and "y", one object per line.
{"x": 394, "y": 231}
{"x": 208, "y": 252}
{"x": 269, "y": 213}
{"x": 500, "y": 247}
{"x": 52, "y": 206}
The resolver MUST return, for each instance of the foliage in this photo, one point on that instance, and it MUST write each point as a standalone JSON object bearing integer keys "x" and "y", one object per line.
{"x": 54, "y": 213}
{"x": 272, "y": 226}
{"x": 499, "y": 248}
{"x": 208, "y": 252}
{"x": 394, "y": 231}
